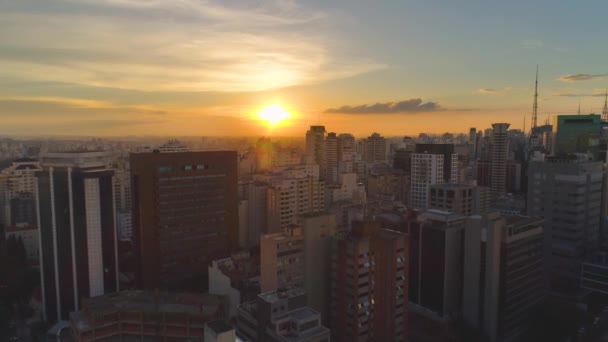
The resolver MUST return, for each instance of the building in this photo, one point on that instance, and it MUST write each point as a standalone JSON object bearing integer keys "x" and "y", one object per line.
{"x": 30, "y": 237}
{"x": 291, "y": 193}
{"x": 450, "y": 159}
{"x": 577, "y": 134}
{"x": 219, "y": 331}
{"x": 78, "y": 239}
{"x": 369, "y": 291}
{"x": 257, "y": 212}
{"x": 282, "y": 259}
{"x": 185, "y": 213}
{"x": 331, "y": 158}
{"x": 436, "y": 268}
{"x": 465, "y": 199}
{"x": 594, "y": 274}
{"x": 122, "y": 200}
{"x": 315, "y": 147}
{"x": 145, "y": 316}
{"x": 393, "y": 184}
{"x": 237, "y": 278}
{"x": 17, "y": 193}
{"x": 567, "y": 192}
{"x": 427, "y": 169}
{"x": 375, "y": 149}
{"x": 500, "y": 156}
{"x": 402, "y": 160}
{"x": 280, "y": 316}
{"x": 318, "y": 230}
{"x": 503, "y": 282}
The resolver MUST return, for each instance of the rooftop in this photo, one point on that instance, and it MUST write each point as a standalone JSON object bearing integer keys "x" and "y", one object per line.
{"x": 219, "y": 326}
{"x": 280, "y": 294}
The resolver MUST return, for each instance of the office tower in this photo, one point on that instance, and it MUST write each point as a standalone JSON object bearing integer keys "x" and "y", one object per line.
{"x": 286, "y": 157}
{"x": 369, "y": 284}
{"x": 465, "y": 199}
{"x": 436, "y": 268}
{"x": 282, "y": 259}
{"x": 375, "y": 148}
{"x": 503, "y": 282}
{"x": 402, "y": 160}
{"x": 577, "y": 134}
{"x": 146, "y": 316}
{"x": 185, "y": 213}
{"x": 427, "y": 169}
{"x": 292, "y": 193}
{"x": 279, "y": 316}
{"x": 318, "y": 230}
{"x": 331, "y": 158}
{"x": 500, "y": 155}
{"x": 315, "y": 147}
{"x": 77, "y": 233}
{"x": 567, "y": 192}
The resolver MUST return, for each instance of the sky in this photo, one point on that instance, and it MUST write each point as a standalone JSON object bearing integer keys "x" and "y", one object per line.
{"x": 205, "y": 67}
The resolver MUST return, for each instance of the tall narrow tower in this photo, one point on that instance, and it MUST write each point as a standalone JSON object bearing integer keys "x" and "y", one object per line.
{"x": 605, "y": 111}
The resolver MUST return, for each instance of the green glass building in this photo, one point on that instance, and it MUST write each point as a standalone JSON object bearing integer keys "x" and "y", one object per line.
{"x": 577, "y": 134}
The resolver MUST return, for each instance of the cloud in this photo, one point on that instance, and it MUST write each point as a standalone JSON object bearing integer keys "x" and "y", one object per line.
{"x": 533, "y": 43}
{"x": 171, "y": 45}
{"x": 414, "y": 105}
{"x": 596, "y": 94}
{"x": 581, "y": 77}
{"x": 493, "y": 91}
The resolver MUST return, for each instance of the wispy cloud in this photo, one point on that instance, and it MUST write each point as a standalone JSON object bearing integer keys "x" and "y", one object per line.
{"x": 581, "y": 77}
{"x": 595, "y": 94}
{"x": 415, "y": 105}
{"x": 533, "y": 43}
{"x": 171, "y": 45}
{"x": 493, "y": 91}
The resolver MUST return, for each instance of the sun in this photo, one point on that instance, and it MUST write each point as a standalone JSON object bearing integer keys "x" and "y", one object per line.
{"x": 274, "y": 114}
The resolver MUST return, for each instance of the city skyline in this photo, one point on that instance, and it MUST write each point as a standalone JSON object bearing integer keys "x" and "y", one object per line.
{"x": 127, "y": 67}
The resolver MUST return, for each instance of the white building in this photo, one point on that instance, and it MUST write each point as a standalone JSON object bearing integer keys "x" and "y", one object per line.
{"x": 427, "y": 169}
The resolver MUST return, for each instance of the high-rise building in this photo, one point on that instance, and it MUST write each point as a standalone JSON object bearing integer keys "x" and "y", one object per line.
{"x": 472, "y": 143}
{"x": 315, "y": 147}
{"x": 503, "y": 276}
{"x": 185, "y": 213}
{"x": 292, "y": 193}
{"x": 18, "y": 189}
{"x": 78, "y": 239}
{"x": 282, "y": 259}
{"x": 279, "y": 316}
{"x": 427, "y": 169}
{"x": 369, "y": 296}
{"x": 257, "y": 212}
{"x": 318, "y": 230}
{"x": 450, "y": 159}
{"x": 346, "y": 148}
{"x": 463, "y": 199}
{"x": 331, "y": 158}
{"x": 577, "y": 134}
{"x": 436, "y": 268}
{"x": 375, "y": 148}
{"x": 264, "y": 152}
{"x": 500, "y": 156}
{"x": 567, "y": 192}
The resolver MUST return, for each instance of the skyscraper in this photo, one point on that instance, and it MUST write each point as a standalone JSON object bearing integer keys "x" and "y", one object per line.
{"x": 331, "y": 158}
{"x": 427, "y": 169}
{"x": 369, "y": 284}
{"x": 375, "y": 148}
{"x": 500, "y": 156}
{"x": 75, "y": 203}
{"x": 315, "y": 147}
{"x": 577, "y": 134}
{"x": 185, "y": 213}
{"x": 567, "y": 192}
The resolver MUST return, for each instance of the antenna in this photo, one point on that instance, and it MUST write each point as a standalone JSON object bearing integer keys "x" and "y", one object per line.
{"x": 535, "y": 105}
{"x": 605, "y": 111}
{"x": 524, "y": 129}
{"x": 579, "y": 106}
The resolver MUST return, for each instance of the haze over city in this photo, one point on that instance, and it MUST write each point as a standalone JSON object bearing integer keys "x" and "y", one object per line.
{"x": 129, "y": 67}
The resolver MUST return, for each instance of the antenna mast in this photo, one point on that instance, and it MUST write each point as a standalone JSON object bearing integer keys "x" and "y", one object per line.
{"x": 535, "y": 105}
{"x": 605, "y": 111}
